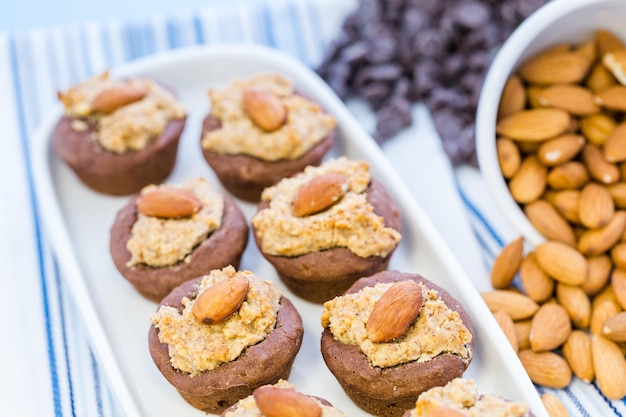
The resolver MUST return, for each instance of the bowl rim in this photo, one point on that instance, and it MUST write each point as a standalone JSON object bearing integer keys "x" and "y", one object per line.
{"x": 502, "y": 66}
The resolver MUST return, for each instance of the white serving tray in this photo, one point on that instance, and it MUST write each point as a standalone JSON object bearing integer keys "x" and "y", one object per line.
{"x": 77, "y": 222}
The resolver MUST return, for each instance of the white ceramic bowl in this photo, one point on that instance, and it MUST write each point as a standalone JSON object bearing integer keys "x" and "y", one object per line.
{"x": 560, "y": 21}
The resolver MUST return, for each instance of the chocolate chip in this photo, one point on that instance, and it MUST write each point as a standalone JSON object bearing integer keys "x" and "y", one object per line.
{"x": 471, "y": 14}
{"x": 375, "y": 93}
{"x": 393, "y": 117}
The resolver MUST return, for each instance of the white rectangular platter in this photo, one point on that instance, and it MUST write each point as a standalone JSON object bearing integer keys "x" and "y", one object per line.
{"x": 77, "y": 222}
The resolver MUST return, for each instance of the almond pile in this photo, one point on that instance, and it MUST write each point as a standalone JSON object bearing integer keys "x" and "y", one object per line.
{"x": 562, "y": 149}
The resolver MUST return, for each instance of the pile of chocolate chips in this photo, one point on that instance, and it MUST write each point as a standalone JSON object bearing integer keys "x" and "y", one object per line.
{"x": 392, "y": 53}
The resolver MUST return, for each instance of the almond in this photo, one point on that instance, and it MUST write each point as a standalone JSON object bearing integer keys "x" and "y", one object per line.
{"x": 616, "y": 63}
{"x": 618, "y": 283}
{"x": 574, "y": 99}
{"x": 600, "y": 312}
{"x": 264, "y": 108}
{"x": 219, "y": 301}
{"x": 508, "y": 157}
{"x": 597, "y": 128}
{"x": 576, "y": 302}
{"x": 566, "y": 203}
{"x": 555, "y": 68}
{"x": 283, "y": 402}
{"x": 549, "y": 222}
{"x": 607, "y": 42}
{"x": 615, "y": 146}
{"x": 610, "y": 367}
{"x": 533, "y": 94}
{"x": 554, "y": 406}
{"x": 560, "y": 149}
{"x": 113, "y": 98}
{"x": 394, "y": 312}
{"x": 598, "y": 272}
{"x": 577, "y": 352}
{"x": 618, "y": 192}
{"x": 168, "y": 202}
{"x": 595, "y": 207}
{"x": 588, "y": 51}
{"x": 507, "y": 263}
{"x": 599, "y": 168}
{"x": 534, "y": 125}
{"x": 618, "y": 255}
{"x": 522, "y": 331}
{"x": 536, "y": 283}
{"x": 562, "y": 262}
{"x": 319, "y": 194}
{"x": 508, "y": 327}
{"x": 600, "y": 78}
{"x": 546, "y": 368}
{"x": 518, "y": 306}
{"x": 513, "y": 97}
{"x": 597, "y": 241}
{"x": 568, "y": 176}
{"x": 607, "y": 294}
{"x": 615, "y": 327}
{"x": 549, "y": 328}
{"x": 612, "y": 98}
{"x": 529, "y": 182}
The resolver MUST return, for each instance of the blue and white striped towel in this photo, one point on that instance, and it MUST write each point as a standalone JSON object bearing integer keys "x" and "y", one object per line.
{"x": 48, "y": 367}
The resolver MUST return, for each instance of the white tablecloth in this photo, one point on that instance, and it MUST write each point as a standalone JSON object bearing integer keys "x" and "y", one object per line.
{"x": 48, "y": 366}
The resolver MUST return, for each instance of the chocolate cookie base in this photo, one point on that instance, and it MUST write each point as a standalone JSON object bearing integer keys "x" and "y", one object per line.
{"x": 320, "y": 276}
{"x": 261, "y": 364}
{"x": 116, "y": 174}
{"x": 222, "y": 247}
{"x": 389, "y": 392}
{"x": 246, "y": 176}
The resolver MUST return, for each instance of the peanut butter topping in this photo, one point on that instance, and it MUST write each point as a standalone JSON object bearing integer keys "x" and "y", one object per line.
{"x": 462, "y": 396}
{"x": 131, "y": 126}
{"x": 436, "y": 330}
{"x": 305, "y": 124}
{"x": 195, "y": 347}
{"x": 246, "y": 407}
{"x": 350, "y": 222}
{"x": 160, "y": 242}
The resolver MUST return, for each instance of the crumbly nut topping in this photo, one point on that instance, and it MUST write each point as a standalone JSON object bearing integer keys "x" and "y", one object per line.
{"x": 195, "y": 347}
{"x": 246, "y": 407}
{"x": 462, "y": 395}
{"x": 161, "y": 242}
{"x": 305, "y": 126}
{"x": 130, "y": 127}
{"x": 349, "y": 223}
{"x": 437, "y": 329}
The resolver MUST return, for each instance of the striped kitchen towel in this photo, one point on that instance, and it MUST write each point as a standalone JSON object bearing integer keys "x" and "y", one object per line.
{"x": 49, "y": 369}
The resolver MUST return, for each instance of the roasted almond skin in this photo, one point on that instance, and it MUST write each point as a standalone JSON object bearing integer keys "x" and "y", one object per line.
{"x": 319, "y": 194}
{"x": 509, "y": 157}
{"x": 560, "y": 149}
{"x": 221, "y": 300}
{"x": 610, "y": 367}
{"x": 394, "y": 312}
{"x": 113, "y": 98}
{"x": 537, "y": 284}
{"x": 598, "y": 272}
{"x": 549, "y": 222}
{"x": 550, "y": 327}
{"x": 597, "y": 241}
{"x": 576, "y": 302}
{"x": 546, "y": 368}
{"x": 615, "y": 327}
{"x": 264, "y": 108}
{"x": 554, "y": 406}
{"x": 283, "y": 402}
{"x": 562, "y": 262}
{"x": 168, "y": 202}
{"x": 595, "y": 207}
{"x": 513, "y": 97}
{"x": 534, "y": 125}
{"x": 508, "y": 327}
{"x": 507, "y": 263}
{"x": 529, "y": 182}
{"x": 577, "y": 352}
{"x": 518, "y": 306}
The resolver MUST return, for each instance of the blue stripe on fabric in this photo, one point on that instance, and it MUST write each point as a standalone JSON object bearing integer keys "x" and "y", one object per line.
{"x": 197, "y": 28}
{"x": 314, "y": 12}
{"x": 295, "y": 19}
{"x": 58, "y": 410}
{"x": 106, "y": 46}
{"x": 267, "y": 29}
{"x": 97, "y": 386}
{"x": 476, "y": 212}
{"x": 84, "y": 48}
{"x": 577, "y": 404}
{"x": 148, "y": 37}
{"x": 68, "y": 368}
{"x": 172, "y": 39}
{"x": 606, "y": 400}
{"x": 483, "y": 244}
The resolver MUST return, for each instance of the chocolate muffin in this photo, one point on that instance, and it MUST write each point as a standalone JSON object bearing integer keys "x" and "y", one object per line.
{"x": 326, "y": 227}
{"x": 460, "y": 397}
{"x": 391, "y": 337}
{"x": 168, "y": 234}
{"x": 119, "y": 135}
{"x": 219, "y": 337}
{"x": 259, "y": 131}
{"x": 269, "y": 399}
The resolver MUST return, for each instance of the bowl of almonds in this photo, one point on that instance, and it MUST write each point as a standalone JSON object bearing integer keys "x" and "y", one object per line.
{"x": 551, "y": 142}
